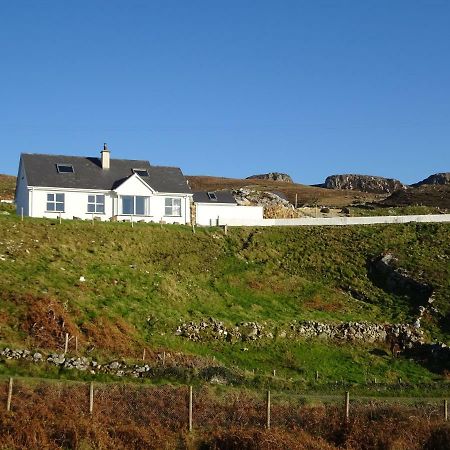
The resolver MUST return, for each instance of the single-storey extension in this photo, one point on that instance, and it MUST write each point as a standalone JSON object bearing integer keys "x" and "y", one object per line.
{"x": 220, "y": 207}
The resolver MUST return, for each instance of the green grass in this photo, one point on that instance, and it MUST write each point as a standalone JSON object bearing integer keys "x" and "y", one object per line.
{"x": 151, "y": 277}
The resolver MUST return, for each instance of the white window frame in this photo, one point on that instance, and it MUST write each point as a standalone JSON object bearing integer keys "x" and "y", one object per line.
{"x": 98, "y": 205}
{"x": 52, "y": 199}
{"x": 134, "y": 197}
{"x": 169, "y": 202}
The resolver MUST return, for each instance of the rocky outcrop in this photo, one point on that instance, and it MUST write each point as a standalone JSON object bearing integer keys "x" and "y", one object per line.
{"x": 364, "y": 183}
{"x": 274, "y": 176}
{"x": 385, "y": 272}
{"x": 437, "y": 178}
{"x": 212, "y": 329}
{"x": 247, "y": 197}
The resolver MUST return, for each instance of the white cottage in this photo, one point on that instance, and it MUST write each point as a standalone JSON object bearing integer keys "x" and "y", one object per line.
{"x": 101, "y": 188}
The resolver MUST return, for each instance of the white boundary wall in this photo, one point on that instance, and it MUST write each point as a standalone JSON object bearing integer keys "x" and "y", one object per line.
{"x": 336, "y": 221}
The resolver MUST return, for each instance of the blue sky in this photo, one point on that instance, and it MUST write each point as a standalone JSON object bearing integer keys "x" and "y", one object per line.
{"x": 230, "y": 88}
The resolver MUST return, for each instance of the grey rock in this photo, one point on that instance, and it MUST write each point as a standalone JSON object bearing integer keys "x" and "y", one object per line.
{"x": 274, "y": 176}
{"x": 364, "y": 183}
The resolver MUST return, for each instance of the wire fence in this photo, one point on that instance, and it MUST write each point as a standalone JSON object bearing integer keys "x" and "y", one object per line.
{"x": 204, "y": 407}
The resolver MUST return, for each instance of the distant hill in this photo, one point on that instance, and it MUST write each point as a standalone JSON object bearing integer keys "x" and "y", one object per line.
{"x": 7, "y": 186}
{"x": 305, "y": 194}
{"x": 436, "y": 178}
{"x": 437, "y": 195}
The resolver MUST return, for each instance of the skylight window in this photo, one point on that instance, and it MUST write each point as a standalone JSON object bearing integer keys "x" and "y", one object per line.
{"x": 141, "y": 172}
{"x": 212, "y": 196}
{"x": 64, "y": 168}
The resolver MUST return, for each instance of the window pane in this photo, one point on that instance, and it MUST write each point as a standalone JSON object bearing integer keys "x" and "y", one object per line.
{"x": 59, "y": 207}
{"x": 127, "y": 204}
{"x": 50, "y": 206}
{"x": 50, "y": 197}
{"x": 59, "y": 197}
{"x": 91, "y": 208}
{"x": 176, "y": 211}
{"x": 140, "y": 205}
{"x": 168, "y": 211}
{"x": 91, "y": 198}
{"x": 100, "y": 198}
{"x": 101, "y": 208}
{"x": 168, "y": 202}
{"x": 177, "y": 202}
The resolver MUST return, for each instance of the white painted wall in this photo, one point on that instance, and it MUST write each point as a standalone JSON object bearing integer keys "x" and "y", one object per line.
{"x": 212, "y": 214}
{"x": 338, "y": 221}
{"x": 76, "y": 201}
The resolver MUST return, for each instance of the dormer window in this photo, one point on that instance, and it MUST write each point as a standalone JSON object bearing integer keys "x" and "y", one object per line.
{"x": 212, "y": 196}
{"x": 141, "y": 172}
{"x": 64, "y": 168}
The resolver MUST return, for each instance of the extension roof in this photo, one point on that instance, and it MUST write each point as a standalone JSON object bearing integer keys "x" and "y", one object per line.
{"x": 222, "y": 197}
{"x": 41, "y": 170}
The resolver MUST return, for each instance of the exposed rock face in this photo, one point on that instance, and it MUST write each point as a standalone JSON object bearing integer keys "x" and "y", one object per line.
{"x": 437, "y": 178}
{"x": 274, "y": 176}
{"x": 364, "y": 183}
{"x": 395, "y": 279}
{"x": 245, "y": 196}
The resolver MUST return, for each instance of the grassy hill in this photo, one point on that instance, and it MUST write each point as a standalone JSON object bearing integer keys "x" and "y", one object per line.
{"x": 140, "y": 283}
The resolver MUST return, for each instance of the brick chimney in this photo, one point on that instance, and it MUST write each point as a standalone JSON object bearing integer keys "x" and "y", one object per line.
{"x": 105, "y": 157}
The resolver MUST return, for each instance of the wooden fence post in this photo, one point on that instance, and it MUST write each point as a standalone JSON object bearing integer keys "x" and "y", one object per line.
{"x": 190, "y": 408}
{"x": 66, "y": 344}
{"x": 143, "y": 355}
{"x": 446, "y": 410}
{"x": 347, "y": 405}
{"x": 10, "y": 389}
{"x": 268, "y": 411}
{"x": 21, "y": 212}
{"x": 76, "y": 343}
{"x": 91, "y": 398}
{"x": 317, "y": 375}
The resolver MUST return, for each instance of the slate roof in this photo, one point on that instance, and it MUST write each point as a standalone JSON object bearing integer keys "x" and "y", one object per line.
{"x": 88, "y": 174}
{"x": 222, "y": 197}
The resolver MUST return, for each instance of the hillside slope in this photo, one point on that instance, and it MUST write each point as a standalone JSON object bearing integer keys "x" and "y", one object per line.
{"x": 427, "y": 195}
{"x": 121, "y": 289}
{"x": 309, "y": 195}
{"x": 7, "y": 186}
